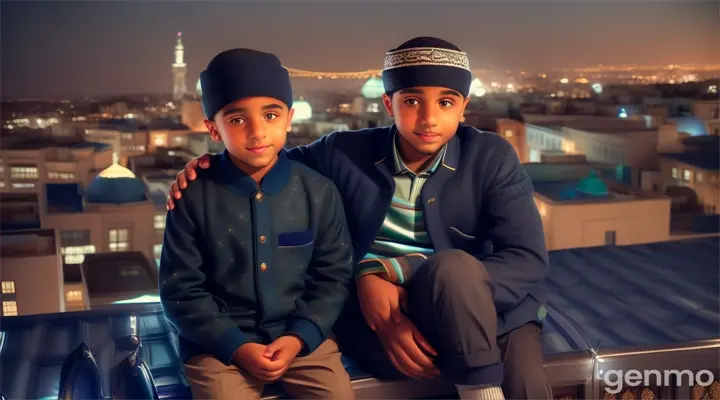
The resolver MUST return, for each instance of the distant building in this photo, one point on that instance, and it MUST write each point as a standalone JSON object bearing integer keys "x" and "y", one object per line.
{"x": 632, "y": 143}
{"x": 31, "y": 168}
{"x": 514, "y": 132}
{"x": 584, "y": 205}
{"x": 31, "y": 273}
{"x": 695, "y": 166}
{"x": 708, "y": 111}
{"x": 111, "y": 214}
{"x": 126, "y": 137}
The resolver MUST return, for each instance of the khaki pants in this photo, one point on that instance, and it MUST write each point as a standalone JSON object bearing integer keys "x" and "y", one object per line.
{"x": 319, "y": 375}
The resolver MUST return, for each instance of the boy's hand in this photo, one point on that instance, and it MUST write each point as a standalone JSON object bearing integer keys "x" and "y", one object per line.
{"x": 283, "y": 350}
{"x": 250, "y": 357}
{"x": 187, "y": 174}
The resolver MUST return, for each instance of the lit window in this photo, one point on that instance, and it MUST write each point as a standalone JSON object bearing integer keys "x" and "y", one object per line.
{"x": 160, "y": 140}
{"x": 687, "y": 175}
{"x": 508, "y": 133}
{"x": 118, "y": 240}
{"x": 10, "y": 308}
{"x": 159, "y": 221}
{"x": 65, "y": 176}
{"x": 23, "y": 185}
{"x": 8, "y": 287}
{"x": 24, "y": 173}
{"x": 76, "y": 254}
{"x": 675, "y": 173}
{"x": 178, "y": 139}
{"x": 73, "y": 295}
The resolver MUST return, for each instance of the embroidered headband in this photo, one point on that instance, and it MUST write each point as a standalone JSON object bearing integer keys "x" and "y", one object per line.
{"x": 426, "y": 56}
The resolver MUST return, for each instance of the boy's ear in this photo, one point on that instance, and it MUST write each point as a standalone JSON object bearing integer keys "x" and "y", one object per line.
{"x": 387, "y": 102}
{"x": 212, "y": 128}
{"x": 291, "y": 112}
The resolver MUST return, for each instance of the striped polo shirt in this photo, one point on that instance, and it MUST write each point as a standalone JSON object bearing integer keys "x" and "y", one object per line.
{"x": 403, "y": 231}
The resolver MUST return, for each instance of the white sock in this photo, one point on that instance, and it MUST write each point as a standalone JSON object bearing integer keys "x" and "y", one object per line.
{"x": 472, "y": 392}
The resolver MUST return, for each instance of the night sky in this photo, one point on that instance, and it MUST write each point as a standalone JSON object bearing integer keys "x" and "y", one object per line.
{"x": 63, "y": 48}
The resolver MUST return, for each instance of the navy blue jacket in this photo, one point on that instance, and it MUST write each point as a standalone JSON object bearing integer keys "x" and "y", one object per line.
{"x": 246, "y": 264}
{"x": 479, "y": 200}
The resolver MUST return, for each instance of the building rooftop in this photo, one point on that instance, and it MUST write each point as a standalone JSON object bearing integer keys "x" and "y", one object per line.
{"x": 600, "y": 300}
{"x": 607, "y": 125}
{"x": 706, "y": 161}
{"x": 28, "y": 243}
{"x": 44, "y": 142}
{"x": 111, "y": 274}
{"x": 701, "y": 151}
{"x": 166, "y": 124}
{"x": 589, "y": 188}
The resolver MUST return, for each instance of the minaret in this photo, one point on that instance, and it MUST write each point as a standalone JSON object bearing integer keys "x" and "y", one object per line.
{"x": 179, "y": 69}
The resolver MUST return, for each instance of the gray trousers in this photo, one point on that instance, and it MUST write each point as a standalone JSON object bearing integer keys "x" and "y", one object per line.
{"x": 450, "y": 301}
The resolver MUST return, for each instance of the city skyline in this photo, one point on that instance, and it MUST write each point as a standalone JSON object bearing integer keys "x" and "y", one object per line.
{"x": 87, "y": 52}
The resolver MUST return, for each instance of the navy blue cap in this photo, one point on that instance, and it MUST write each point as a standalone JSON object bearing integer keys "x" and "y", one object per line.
{"x": 239, "y": 73}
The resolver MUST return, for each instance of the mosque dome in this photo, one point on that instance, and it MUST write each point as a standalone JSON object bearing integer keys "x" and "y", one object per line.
{"x": 116, "y": 185}
{"x": 373, "y": 88}
{"x": 303, "y": 110}
{"x": 590, "y": 187}
{"x": 477, "y": 88}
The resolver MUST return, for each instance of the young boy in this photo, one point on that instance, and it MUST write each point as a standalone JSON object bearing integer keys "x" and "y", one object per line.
{"x": 256, "y": 258}
{"x": 444, "y": 219}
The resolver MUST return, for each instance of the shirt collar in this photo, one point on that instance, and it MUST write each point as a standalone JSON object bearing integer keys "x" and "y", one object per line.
{"x": 399, "y": 166}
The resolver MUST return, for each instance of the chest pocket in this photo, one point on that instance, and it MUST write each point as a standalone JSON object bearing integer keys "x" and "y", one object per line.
{"x": 296, "y": 247}
{"x": 295, "y": 239}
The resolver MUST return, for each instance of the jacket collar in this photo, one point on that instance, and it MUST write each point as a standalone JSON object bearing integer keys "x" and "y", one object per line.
{"x": 384, "y": 148}
{"x": 275, "y": 180}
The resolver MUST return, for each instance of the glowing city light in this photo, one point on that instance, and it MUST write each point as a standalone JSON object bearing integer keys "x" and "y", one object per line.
{"x": 622, "y": 113}
{"x": 597, "y": 88}
{"x": 564, "y": 80}
{"x": 303, "y": 111}
{"x": 477, "y": 89}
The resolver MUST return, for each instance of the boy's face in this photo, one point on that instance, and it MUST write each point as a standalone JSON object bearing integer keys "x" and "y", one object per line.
{"x": 426, "y": 117}
{"x": 253, "y": 129}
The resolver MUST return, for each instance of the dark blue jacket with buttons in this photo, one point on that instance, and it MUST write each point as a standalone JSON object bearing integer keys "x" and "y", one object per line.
{"x": 246, "y": 264}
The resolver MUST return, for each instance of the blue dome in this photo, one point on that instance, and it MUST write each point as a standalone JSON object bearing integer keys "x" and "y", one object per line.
{"x": 116, "y": 185}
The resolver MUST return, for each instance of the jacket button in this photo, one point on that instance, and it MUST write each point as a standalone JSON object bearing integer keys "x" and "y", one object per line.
{"x": 259, "y": 196}
{"x": 263, "y": 239}
{"x": 263, "y": 267}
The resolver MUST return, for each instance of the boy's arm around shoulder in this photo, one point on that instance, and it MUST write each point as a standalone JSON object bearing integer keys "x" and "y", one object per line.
{"x": 187, "y": 304}
{"x": 329, "y": 274}
{"x": 313, "y": 155}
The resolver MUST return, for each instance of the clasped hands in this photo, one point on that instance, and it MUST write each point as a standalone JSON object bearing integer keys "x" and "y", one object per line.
{"x": 381, "y": 303}
{"x": 268, "y": 363}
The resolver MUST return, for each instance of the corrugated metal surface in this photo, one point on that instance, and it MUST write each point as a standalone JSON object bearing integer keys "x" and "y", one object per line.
{"x": 605, "y": 297}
